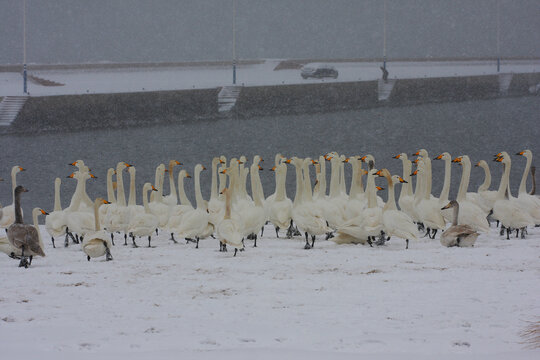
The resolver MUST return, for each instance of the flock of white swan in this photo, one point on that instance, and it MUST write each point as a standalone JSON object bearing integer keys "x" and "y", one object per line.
{"x": 232, "y": 216}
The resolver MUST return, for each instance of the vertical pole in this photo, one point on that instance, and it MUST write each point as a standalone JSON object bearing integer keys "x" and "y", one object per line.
{"x": 234, "y": 42}
{"x": 384, "y": 37}
{"x": 25, "y": 89}
{"x": 498, "y": 36}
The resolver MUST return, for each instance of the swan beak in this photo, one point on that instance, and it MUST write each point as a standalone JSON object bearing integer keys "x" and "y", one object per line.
{"x": 398, "y": 156}
{"x": 477, "y": 164}
{"x": 499, "y": 159}
{"x": 366, "y": 172}
{"x": 438, "y": 157}
{"x": 93, "y": 176}
{"x": 221, "y": 161}
{"x": 314, "y": 162}
{"x": 166, "y": 170}
{"x": 43, "y": 212}
{"x": 497, "y": 155}
{"x": 260, "y": 167}
{"x": 105, "y": 201}
{"x": 261, "y": 159}
{"x": 415, "y": 161}
{"x": 178, "y": 162}
{"x": 521, "y": 153}
{"x": 273, "y": 169}
{"x": 22, "y": 169}
{"x": 379, "y": 188}
{"x": 153, "y": 188}
{"x": 403, "y": 181}
{"x": 446, "y": 207}
{"x": 128, "y": 165}
{"x": 204, "y": 168}
{"x": 288, "y": 161}
{"x": 457, "y": 160}
{"x": 73, "y": 163}
{"x": 224, "y": 171}
{"x": 416, "y": 153}
{"x": 189, "y": 176}
{"x": 346, "y": 160}
{"x": 378, "y": 173}
{"x": 363, "y": 158}
{"x": 415, "y": 172}
{"x": 70, "y": 176}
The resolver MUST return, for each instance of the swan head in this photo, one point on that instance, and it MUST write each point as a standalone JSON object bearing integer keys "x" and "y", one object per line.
{"x": 16, "y": 169}
{"x": 43, "y": 212}
{"x": 421, "y": 152}
{"x": 526, "y": 153}
{"x": 401, "y": 156}
{"x": 482, "y": 164}
{"x": 458, "y": 160}
{"x": 444, "y": 156}
{"x": 451, "y": 204}
{"x": 20, "y": 189}
{"x": 173, "y": 163}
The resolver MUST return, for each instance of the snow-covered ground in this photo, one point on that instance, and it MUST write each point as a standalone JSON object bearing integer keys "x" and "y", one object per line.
{"x": 197, "y": 77}
{"x": 274, "y": 301}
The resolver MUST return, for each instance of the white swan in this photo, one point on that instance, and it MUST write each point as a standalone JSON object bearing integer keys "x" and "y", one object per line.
{"x": 507, "y": 211}
{"x": 279, "y": 209}
{"x": 118, "y": 214}
{"x": 427, "y": 207}
{"x": 489, "y": 196}
{"x": 529, "y": 202}
{"x": 458, "y": 235}
{"x": 177, "y": 211}
{"x": 172, "y": 198}
{"x": 111, "y": 199}
{"x": 396, "y": 222}
{"x": 469, "y": 212}
{"x": 194, "y": 222}
{"x": 357, "y": 199}
{"x": 157, "y": 206}
{"x": 216, "y": 206}
{"x": 78, "y": 217}
{"x": 406, "y": 196}
{"x": 55, "y": 222}
{"x": 228, "y": 230}
{"x": 307, "y": 215}
{"x": 443, "y": 197}
{"x": 143, "y": 223}
{"x": 132, "y": 208}
{"x": 97, "y": 243}
{"x": 253, "y": 216}
{"x": 8, "y": 212}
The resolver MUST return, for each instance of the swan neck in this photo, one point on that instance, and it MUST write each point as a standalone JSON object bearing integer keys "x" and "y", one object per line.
{"x": 391, "y": 202}
{"x": 464, "y": 184}
{"x": 281, "y": 174}
{"x": 342, "y": 185}
{"x": 354, "y": 179}
{"x": 228, "y": 202}
{"x": 120, "y": 195}
{"x": 198, "y": 194}
{"x": 214, "y": 185}
{"x": 456, "y": 214}
{"x": 182, "y": 192}
{"x": 322, "y": 179}
{"x": 523, "y": 183}
{"x": 18, "y": 210}
{"x": 505, "y": 181}
{"x": 145, "y": 199}
{"x": 110, "y": 191}
{"x": 334, "y": 178}
{"x": 307, "y": 193}
{"x": 13, "y": 183}
{"x": 428, "y": 184}
{"x": 96, "y": 215}
{"x": 372, "y": 195}
{"x": 299, "y": 185}
{"x": 57, "y": 203}
{"x": 407, "y": 188}
{"x": 132, "y": 190}
{"x": 487, "y": 178}
{"x": 447, "y": 177}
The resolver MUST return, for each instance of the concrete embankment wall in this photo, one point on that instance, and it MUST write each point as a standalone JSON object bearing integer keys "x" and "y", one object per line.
{"x": 146, "y": 108}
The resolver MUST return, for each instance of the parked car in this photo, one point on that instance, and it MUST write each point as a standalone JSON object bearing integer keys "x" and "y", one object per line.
{"x": 318, "y": 71}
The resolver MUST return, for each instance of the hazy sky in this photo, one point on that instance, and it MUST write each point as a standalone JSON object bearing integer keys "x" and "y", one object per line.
{"x": 75, "y": 31}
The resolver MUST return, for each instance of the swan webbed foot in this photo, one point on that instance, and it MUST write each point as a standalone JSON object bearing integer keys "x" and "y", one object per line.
{"x": 23, "y": 262}
{"x": 369, "y": 241}
{"x": 501, "y": 232}
{"x": 133, "y": 240}
{"x": 434, "y": 232}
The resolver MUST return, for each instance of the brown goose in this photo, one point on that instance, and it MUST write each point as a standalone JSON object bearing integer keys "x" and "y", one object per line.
{"x": 22, "y": 236}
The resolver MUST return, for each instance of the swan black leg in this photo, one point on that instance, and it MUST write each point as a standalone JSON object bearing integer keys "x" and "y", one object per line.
{"x": 157, "y": 232}
{"x": 307, "y": 246}
{"x": 52, "y": 239}
{"x": 112, "y": 239}
{"x": 434, "y": 233}
{"x": 501, "y": 233}
{"x": 277, "y": 231}
{"x": 407, "y": 242}
{"x": 149, "y": 240}
{"x": 125, "y": 239}
{"x": 290, "y": 230}
{"x": 173, "y": 239}
{"x": 262, "y": 230}
{"x": 23, "y": 262}
{"x": 133, "y": 240}
{"x": 88, "y": 257}
{"x": 312, "y": 241}
{"x": 197, "y": 241}
{"x": 508, "y": 233}
{"x": 235, "y": 251}
{"x": 523, "y": 230}
{"x": 369, "y": 241}
{"x": 517, "y": 233}
{"x": 428, "y": 231}
{"x": 31, "y": 257}
{"x": 66, "y": 240}
{"x": 108, "y": 255}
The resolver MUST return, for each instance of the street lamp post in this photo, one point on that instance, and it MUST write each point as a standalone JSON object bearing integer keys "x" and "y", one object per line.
{"x": 234, "y": 42}
{"x": 25, "y": 89}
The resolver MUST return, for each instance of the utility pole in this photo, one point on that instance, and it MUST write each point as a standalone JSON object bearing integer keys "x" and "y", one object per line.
{"x": 498, "y": 36}
{"x": 384, "y": 37}
{"x": 25, "y": 89}
{"x": 234, "y": 42}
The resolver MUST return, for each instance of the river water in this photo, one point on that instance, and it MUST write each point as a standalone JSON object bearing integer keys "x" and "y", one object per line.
{"x": 477, "y": 128}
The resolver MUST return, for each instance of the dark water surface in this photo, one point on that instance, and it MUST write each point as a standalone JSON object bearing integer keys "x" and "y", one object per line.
{"x": 478, "y": 129}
